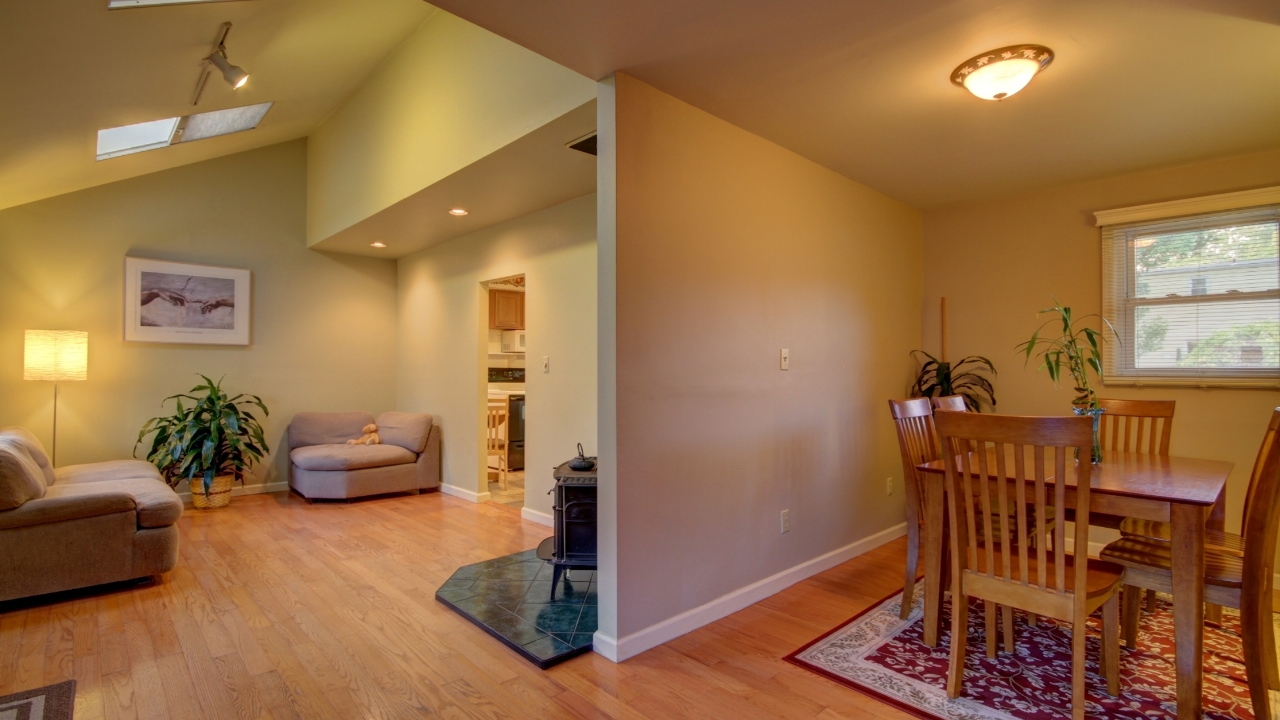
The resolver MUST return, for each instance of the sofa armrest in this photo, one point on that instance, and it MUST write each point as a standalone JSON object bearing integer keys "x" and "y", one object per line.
{"x": 73, "y": 507}
{"x": 429, "y": 460}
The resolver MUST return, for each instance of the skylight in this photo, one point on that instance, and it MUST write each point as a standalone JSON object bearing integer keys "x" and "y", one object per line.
{"x": 129, "y": 139}
{"x": 120, "y": 4}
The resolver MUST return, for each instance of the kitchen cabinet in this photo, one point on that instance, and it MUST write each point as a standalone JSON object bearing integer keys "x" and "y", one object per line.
{"x": 506, "y": 310}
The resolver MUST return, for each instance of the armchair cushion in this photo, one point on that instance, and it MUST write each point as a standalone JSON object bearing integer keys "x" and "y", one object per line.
{"x": 320, "y": 428}
{"x": 108, "y": 470}
{"x": 349, "y": 457}
{"x": 158, "y": 505}
{"x": 21, "y": 478}
{"x": 408, "y": 430}
{"x": 31, "y": 444}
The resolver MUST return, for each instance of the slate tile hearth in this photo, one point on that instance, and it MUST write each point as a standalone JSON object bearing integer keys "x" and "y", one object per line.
{"x": 510, "y": 598}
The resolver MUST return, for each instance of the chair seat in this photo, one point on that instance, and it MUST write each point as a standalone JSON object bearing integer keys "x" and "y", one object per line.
{"x": 1221, "y": 540}
{"x": 1154, "y": 556}
{"x": 1102, "y": 577}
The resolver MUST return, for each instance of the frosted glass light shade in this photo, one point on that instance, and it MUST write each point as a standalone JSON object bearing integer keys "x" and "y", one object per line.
{"x": 57, "y": 355}
{"x": 998, "y": 74}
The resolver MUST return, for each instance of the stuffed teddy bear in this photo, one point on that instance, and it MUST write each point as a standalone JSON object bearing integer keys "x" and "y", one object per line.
{"x": 370, "y": 436}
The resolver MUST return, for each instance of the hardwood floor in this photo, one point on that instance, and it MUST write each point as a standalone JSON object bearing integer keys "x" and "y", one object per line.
{"x": 279, "y": 609}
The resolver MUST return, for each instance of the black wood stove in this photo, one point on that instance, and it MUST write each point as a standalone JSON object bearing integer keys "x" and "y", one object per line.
{"x": 573, "y": 547}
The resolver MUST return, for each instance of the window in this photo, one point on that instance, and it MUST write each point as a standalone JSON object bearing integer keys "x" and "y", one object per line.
{"x": 1195, "y": 299}
{"x": 129, "y": 139}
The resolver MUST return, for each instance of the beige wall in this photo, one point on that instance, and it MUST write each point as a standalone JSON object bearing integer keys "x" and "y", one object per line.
{"x": 1000, "y": 261}
{"x": 323, "y": 332}
{"x": 728, "y": 248}
{"x": 443, "y": 319}
{"x": 451, "y": 94}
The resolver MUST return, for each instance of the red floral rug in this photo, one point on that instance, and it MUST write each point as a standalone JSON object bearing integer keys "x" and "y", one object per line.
{"x": 882, "y": 656}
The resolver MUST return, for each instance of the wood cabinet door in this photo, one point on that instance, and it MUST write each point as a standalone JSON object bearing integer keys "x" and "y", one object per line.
{"x": 506, "y": 310}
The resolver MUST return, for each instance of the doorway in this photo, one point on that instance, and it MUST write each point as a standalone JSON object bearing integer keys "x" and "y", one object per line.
{"x": 504, "y": 392}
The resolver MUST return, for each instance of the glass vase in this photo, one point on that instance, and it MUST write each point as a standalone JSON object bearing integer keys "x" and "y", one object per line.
{"x": 1096, "y": 414}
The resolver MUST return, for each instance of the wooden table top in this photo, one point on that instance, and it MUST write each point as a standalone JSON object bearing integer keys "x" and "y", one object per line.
{"x": 1189, "y": 481}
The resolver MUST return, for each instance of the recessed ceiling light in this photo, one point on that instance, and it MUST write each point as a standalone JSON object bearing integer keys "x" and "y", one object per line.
{"x": 153, "y": 135}
{"x": 458, "y": 212}
{"x": 997, "y": 74}
{"x": 377, "y": 244}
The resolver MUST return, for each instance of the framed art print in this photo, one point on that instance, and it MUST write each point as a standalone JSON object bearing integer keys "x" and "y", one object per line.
{"x": 171, "y": 302}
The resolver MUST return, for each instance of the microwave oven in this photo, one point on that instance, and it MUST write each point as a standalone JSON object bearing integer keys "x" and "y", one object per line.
{"x": 513, "y": 341}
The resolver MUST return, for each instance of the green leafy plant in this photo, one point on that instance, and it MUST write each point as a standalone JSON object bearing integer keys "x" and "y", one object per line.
{"x": 939, "y": 378}
{"x": 1080, "y": 349}
{"x": 214, "y": 435}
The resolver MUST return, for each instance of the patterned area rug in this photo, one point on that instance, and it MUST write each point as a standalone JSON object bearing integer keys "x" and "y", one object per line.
{"x": 882, "y": 656}
{"x": 54, "y": 702}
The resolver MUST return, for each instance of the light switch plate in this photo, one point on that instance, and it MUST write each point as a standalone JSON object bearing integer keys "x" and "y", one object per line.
{"x": 786, "y": 521}
{"x": 546, "y": 364}
{"x": 786, "y": 359}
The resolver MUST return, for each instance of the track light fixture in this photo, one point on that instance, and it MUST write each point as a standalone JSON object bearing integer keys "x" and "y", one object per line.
{"x": 235, "y": 75}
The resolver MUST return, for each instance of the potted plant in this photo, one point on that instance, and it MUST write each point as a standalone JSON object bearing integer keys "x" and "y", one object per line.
{"x": 208, "y": 443}
{"x": 939, "y": 378}
{"x": 1080, "y": 349}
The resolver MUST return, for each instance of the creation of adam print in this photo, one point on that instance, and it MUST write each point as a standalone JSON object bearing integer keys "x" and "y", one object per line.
{"x": 169, "y": 300}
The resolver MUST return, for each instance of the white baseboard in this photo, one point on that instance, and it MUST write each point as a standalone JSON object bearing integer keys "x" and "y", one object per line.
{"x": 689, "y": 620}
{"x": 237, "y": 490}
{"x": 535, "y": 516}
{"x": 465, "y": 494}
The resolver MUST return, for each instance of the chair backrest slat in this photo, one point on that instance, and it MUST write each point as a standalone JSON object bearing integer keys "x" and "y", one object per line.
{"x": 1147, "y": 425}
{"x": 1000, "y": 512}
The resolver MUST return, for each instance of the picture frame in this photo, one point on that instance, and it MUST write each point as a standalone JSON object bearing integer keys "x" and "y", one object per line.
{"x": 171, "y": 302}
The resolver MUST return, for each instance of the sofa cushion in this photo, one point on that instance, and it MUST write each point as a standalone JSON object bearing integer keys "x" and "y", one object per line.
{"x": 316, "y": 428}
{"x": 109, "y": 470}
{"x": 349, "y": 457}
{"x": 21, "y": 479}
{"x": 408, "y": 430}
{"x": 158, "y": 504}
{"x": 33, "y": 447}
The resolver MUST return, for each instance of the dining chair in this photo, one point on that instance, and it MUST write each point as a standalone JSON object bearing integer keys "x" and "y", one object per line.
{"x": 496, "y": 443}
{"x": 1146, "y": 428}
{"x": 919, "y": 444}
{"x": 1238, "y": 571}
{"x": 1015, "y": 571}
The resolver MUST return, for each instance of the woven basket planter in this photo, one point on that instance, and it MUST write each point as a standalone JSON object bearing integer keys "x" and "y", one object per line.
{"x": 219, "y": 493}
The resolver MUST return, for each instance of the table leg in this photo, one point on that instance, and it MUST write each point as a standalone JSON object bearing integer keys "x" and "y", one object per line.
{"x": 933, "y": 558}
{"x": 1188, "y": 606}
{"x": 1217, "y": 520}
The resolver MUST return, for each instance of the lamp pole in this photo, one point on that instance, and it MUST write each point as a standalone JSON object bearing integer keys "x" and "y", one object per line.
{"x": 54, "y": 461}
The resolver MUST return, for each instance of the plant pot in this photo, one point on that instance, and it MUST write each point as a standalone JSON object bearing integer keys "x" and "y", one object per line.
{"x": 1096, "y": 414}
{"x": 219, "y": 492}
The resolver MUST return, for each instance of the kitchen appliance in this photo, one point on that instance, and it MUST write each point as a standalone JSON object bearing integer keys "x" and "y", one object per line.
{"x": 506, "y": 375}
{"x": 573, "y": 547}
{"x": 515, "y": 438}
{"x": 513, "y": 341}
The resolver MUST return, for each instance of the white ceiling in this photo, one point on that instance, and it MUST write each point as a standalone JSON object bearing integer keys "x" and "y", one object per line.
{"x": 533, "y": 173}
{"x": 71, "y": 67}
{"x": 861, "y": 86}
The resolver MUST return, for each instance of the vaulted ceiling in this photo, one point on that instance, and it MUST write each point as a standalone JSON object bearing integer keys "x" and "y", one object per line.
{"x": 72, "y": 67}
{"x": 862, "y": 86}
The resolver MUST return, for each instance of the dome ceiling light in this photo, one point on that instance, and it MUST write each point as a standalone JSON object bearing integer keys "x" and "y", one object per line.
{"x": 997, "y": 74}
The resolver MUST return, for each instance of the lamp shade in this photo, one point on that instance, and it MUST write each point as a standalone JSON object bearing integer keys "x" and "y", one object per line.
{"x": 58, "y": 355}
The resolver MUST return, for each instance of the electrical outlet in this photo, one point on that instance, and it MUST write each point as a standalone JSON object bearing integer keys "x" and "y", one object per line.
{"x": 888, "y": 486}
{"x": 546, "y": 364}
{"x": 786, "y": 521}
{"x": 785, "y": 359}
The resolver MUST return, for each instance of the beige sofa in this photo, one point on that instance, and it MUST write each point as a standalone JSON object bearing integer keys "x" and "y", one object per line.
{"x": 80, "y": 525}
{"x": 323, "y": 466}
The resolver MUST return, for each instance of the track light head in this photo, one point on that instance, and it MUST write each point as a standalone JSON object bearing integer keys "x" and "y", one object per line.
{"x": 235, "y": 75}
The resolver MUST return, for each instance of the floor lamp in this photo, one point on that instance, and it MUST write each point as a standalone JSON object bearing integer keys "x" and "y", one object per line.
{"x": 57, "y": 355}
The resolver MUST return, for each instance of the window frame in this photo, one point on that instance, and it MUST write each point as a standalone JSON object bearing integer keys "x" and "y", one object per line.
{"x": 1120, "y": 302}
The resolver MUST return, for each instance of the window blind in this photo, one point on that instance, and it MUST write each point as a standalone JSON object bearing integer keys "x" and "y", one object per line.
{"x": 1195, "y": 298}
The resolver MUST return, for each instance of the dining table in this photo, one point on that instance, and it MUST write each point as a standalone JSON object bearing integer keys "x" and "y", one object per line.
{"x": 1188, "y": 493}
